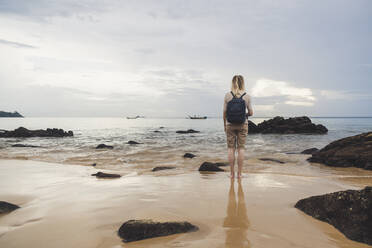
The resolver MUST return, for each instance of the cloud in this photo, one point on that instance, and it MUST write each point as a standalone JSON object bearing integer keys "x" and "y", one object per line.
{"x": 298, "y": 103}
{"x": 181, "y": 51}
{"x": 264, "y": 108}
{"x": 267, "y": 88}
{"x": 345, "y": 95}
{"x": 15, "y": 44}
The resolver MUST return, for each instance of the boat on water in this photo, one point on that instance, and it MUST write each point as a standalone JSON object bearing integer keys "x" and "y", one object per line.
{"x": 195, "y": 117}
{"x": 134, "y": 117}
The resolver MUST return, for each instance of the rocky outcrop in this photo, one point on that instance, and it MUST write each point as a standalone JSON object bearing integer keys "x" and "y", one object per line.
{"x": 105, "y": 175}
{"x": 6, "y": 207}
{"x": 22, "y": 132}
{"x": 252, "y": 128}
{"x": 134, "y": 230}
{"x": 280, "y": 125}
{"x": 103, "y": 146}
{"x": 310, "y": 151}
{"x": 272, "y": 160}
{"x": 131, "y": 142}
{"x": 23, "y": 145}
{"x": 188, "y": 155}
{"x": 187, "y": 131}
{"x": 208, "y": 166}
{"x": 10, "y": 114}
{"x": 158, "y": 168}
{"x": 349, "y": 211}
{"x": 354, "y": 151}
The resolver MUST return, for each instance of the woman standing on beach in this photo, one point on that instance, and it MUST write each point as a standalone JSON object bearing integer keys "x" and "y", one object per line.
{"x": 235, "y": 121}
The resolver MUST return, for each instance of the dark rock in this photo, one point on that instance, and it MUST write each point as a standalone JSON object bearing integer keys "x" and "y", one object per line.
{"x": 349, "y": 211}
{"x": 94, "y": 164}
{"x": 6, "y": 207}
{"x": 187, "y": 131}
{"x": 134, "y": 230}
{"x": 219, "y": 164}
{"x": 310, "y": 151}
{"x": 296, "y": 125}
{"x": 252, "y": 128}
{"x": 106, "y": 175}
{"x": 163, "y": 168}
{"x": 157, "y": 131}
{"x": 25, "y": 133}
{"x": 161, "y": 127}
{"x": 272, "y": 160}
{"x": 131, "y": 142}
{"x": 188, "y": 155}
{"x": 103, "y": 146}
{"x": 10, "y": 114}
{"x": 23, "y": 145}
{"x": 208, "y": 166}
{"x": 354, "y": 151}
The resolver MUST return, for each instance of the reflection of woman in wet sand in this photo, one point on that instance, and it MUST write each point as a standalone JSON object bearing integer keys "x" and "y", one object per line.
{"x": 236, "y": 221}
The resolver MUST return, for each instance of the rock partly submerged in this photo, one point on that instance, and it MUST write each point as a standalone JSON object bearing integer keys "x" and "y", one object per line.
{"x": 158, "y": 168}
{"x": 22, "y": 132}
{"x": 310, "y": 151}
{"x": 280, "y": 125}
{"x": 188, "y": 155}
{"x": 134, "y": 230}
{"x": 132, "y": 142}
{"x": 6, "y": 207}
{"x": 354, "y": 151}
{"x": 103, "y": 146}
{"x": 25, "y": 145}
{"x": 349, "y": 211}
{"x": 208, "y": 166}
{"x": 187, "y": 131}
{"x": 272, "y": 160}
{"x": 105, "y": 175}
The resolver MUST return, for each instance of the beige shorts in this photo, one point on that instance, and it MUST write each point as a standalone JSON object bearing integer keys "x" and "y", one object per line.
{"x": 236, "y": 135}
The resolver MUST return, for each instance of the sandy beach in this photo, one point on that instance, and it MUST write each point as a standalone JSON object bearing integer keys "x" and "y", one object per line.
{"x": 63, "y": 206}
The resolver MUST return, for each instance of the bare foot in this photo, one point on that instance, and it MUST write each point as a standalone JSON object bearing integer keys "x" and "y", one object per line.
{"x": 239, "y": 176}
{"x": 232, "y": 176}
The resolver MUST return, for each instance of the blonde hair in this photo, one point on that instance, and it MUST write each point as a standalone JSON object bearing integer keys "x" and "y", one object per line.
{"x": 237, "y": 85}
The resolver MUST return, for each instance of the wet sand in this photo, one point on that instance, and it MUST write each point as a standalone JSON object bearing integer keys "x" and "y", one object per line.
{"x": 63, "y": 206}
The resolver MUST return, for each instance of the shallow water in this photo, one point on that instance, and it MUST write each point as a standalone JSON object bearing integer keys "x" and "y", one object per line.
{"x": 165, "y": 147}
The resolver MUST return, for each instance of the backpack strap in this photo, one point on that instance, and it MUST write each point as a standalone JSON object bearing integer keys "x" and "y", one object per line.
{"x": 232, "y": 94}
{"x": 242, "y": 95}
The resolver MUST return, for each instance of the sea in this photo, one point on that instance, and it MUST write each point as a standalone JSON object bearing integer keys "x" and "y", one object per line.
{"x": 160, "y": 145}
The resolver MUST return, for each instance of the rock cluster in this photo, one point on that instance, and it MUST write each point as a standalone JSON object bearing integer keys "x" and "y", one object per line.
{"x": 134, "y": 230}
{"x": 354, "y": 151}
{"x": 349, "y": 211}
{"x": 187, "y": 131}
{"x": 22, "y": 132}
{"x": 24, "y": 145}
{"x": 280, "y": 125}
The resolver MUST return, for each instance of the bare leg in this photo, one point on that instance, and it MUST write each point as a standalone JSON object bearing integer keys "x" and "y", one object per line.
{"x": 240, "y": 161}
{"x": 231, "y": 156}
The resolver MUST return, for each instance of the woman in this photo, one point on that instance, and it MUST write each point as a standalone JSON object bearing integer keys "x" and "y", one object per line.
{"x": 236, "y": 132}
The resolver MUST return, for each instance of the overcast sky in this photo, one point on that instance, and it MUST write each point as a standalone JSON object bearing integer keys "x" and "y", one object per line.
{"x": 169, "y": 58}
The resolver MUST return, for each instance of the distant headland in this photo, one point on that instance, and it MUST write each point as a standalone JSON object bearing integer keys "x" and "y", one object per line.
{"x": 10, "y": 114}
